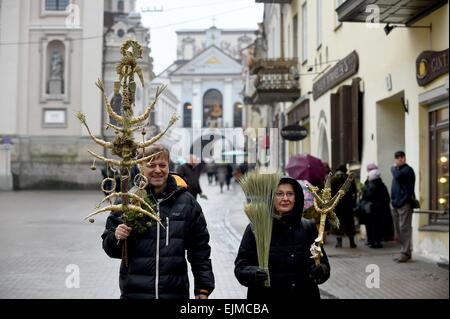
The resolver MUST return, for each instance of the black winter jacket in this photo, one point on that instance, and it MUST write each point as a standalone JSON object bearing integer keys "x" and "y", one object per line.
{"x": 157, "y": 265}
{"x": 289, "y": 257}
{"x": 345, "y": 208}
{"x": 402, "y": 189}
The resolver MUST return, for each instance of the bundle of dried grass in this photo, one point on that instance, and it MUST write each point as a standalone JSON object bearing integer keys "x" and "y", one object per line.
{"x": 260, "y": 192}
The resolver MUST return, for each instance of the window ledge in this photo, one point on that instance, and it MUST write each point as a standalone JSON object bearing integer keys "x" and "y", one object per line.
{"x": 435, "y": 228}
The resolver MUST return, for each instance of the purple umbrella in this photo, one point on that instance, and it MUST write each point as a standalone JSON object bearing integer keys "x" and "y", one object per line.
{"x": 306, "y": 167}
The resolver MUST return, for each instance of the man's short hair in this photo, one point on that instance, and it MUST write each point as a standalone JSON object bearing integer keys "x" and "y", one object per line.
{"x": 399, "y": 154}
{"x": 157, "y": 148}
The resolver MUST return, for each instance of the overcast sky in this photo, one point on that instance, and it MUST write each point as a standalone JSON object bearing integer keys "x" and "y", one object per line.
{"x": 182, "y": 14}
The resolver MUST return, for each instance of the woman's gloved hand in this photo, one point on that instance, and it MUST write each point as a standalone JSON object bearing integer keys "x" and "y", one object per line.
{"x": 319, "y": 273}
{"x": 260, "y": 276}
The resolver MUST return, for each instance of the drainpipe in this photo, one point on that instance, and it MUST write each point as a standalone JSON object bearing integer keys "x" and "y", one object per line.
{"x": 282, "y": 31}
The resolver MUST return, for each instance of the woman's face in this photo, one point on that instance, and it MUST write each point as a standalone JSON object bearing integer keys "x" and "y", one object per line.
{"x": 284, "y": 198}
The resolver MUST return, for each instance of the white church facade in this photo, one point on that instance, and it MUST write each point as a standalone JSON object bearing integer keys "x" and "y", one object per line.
{"x": 207, "y": 78}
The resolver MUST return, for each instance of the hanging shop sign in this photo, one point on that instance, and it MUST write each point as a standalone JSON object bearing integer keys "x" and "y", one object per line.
{"x": 344, "y": 69}
{"x": 431, "y": 65}
{"x": 294, "y": 133}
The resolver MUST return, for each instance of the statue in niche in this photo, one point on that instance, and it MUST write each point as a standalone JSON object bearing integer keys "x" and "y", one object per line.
{"x": 215, "y": 115}
{"x": 55, "y": 83}
{"x": 56, "y": 65}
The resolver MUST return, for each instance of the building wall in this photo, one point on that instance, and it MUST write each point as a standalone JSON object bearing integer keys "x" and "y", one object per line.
{"x": 47, "y": 156}
{"x": 386, "y": 126}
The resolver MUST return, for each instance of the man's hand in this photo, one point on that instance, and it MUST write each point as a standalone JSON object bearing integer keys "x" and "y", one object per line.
{"x": 122, "y": 232}
{"x": 203, "y": 196}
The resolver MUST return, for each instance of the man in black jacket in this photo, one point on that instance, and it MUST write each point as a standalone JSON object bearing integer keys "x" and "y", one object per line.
{"x": 191, "y": 171}
{"x": 157, "y": 267}
{"x": 293, "y": 273}
{"x": 402, "y": 195}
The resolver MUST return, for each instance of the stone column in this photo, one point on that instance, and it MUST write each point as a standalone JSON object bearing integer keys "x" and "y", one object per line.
{"x": 197, "y": 103}
{"x": 228, "y": 103}
{"x": 6, "y": 180}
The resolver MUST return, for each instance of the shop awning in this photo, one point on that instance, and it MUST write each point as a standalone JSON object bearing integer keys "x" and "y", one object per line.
{"x": 404, "y": 12}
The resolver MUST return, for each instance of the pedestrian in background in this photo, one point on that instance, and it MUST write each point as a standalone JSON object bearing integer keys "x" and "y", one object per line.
{"x": 345, "y": 208}
{"x": 191, "y": 171}
{"x": 377, "y": 197}
{"x": 224, "y": 175}
{"x": 293, "y": 273}
{"x": 402, "y": 197}
{"x": 211, "y": 171}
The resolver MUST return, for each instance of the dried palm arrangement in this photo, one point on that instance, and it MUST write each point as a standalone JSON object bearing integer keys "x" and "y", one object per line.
{"x": 324, "y": 206}
{"x": 130, "y": 203}
{"x": 259, "y": 190}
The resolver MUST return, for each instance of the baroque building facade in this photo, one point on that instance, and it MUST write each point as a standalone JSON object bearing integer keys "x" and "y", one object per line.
{"x": 51, "y": 54}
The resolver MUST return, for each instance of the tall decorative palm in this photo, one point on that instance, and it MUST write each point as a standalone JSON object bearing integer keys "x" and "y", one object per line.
{"x": 133, "y": 206}
{"x": 324, "y": 205}
{"x": 259, "y": 190}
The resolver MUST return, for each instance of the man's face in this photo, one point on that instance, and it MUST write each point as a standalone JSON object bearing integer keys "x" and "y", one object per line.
{"x": 157, "y": 172}
{"x": 399, "y": 161}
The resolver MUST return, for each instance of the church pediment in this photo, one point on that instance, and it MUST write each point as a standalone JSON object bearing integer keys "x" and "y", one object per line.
{"x": 211, "y": 61}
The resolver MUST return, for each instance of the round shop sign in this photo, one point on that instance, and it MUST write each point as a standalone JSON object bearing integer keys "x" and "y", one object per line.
{"x": 294, "y": 133}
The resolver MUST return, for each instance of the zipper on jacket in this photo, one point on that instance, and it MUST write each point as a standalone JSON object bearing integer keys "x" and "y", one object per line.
{"x": 157, "y": 255}
{"x": 157, "y": 263}
{"x": 158, "y": 240}
{"x": 167, "y": 231}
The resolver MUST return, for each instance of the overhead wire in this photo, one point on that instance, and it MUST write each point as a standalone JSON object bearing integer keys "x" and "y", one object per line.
{"x": 151, "y": 28}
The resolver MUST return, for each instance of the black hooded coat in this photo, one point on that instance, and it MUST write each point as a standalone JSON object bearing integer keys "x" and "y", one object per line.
{"x": 290, "y": 262}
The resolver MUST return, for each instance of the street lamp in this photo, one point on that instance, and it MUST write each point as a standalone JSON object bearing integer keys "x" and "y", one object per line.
{"x": 389, "y": 27}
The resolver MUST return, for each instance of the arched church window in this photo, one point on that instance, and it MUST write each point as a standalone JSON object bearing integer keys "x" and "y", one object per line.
{"x": 212, "y": 109}
{"x": 237, "y": 118}
{"x": 120, "y": 6}
{"x": 116, "y": 104}
{"x": 187, "y": 114}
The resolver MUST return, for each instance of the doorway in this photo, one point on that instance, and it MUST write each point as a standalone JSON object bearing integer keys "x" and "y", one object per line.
{"x": 390, "y": 115}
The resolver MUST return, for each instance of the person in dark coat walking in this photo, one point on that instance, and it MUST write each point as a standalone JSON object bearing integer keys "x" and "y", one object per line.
{"x": 345, "y": 209}
{"x": 157, "y": 267}
{"x": 191, "y": 171}
{"x": 293, "y": 273}
{"x": 378, "y": 217}
{"x": 402, "y": 196}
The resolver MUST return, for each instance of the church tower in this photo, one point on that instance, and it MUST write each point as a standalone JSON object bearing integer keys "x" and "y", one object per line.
{"x": 121, "y": 23}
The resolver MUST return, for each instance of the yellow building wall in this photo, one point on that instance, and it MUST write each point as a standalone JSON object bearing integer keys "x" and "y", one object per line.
{"x": 379, "y": 57}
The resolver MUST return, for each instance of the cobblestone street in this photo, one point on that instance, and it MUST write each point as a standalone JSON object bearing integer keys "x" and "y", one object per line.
{"x": 43, "y": 232}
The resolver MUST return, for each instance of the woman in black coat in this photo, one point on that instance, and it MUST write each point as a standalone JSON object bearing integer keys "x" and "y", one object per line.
{"x": 345, "y": 209}
{"x": 293, "y": 273}
{"x": 379, "y": 221}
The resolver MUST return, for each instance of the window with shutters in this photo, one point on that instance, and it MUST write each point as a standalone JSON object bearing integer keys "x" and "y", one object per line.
{"x": 346, "y": 125}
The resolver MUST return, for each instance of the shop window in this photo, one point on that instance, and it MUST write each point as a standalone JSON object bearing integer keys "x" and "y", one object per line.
{"x": 439, "y": 157}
